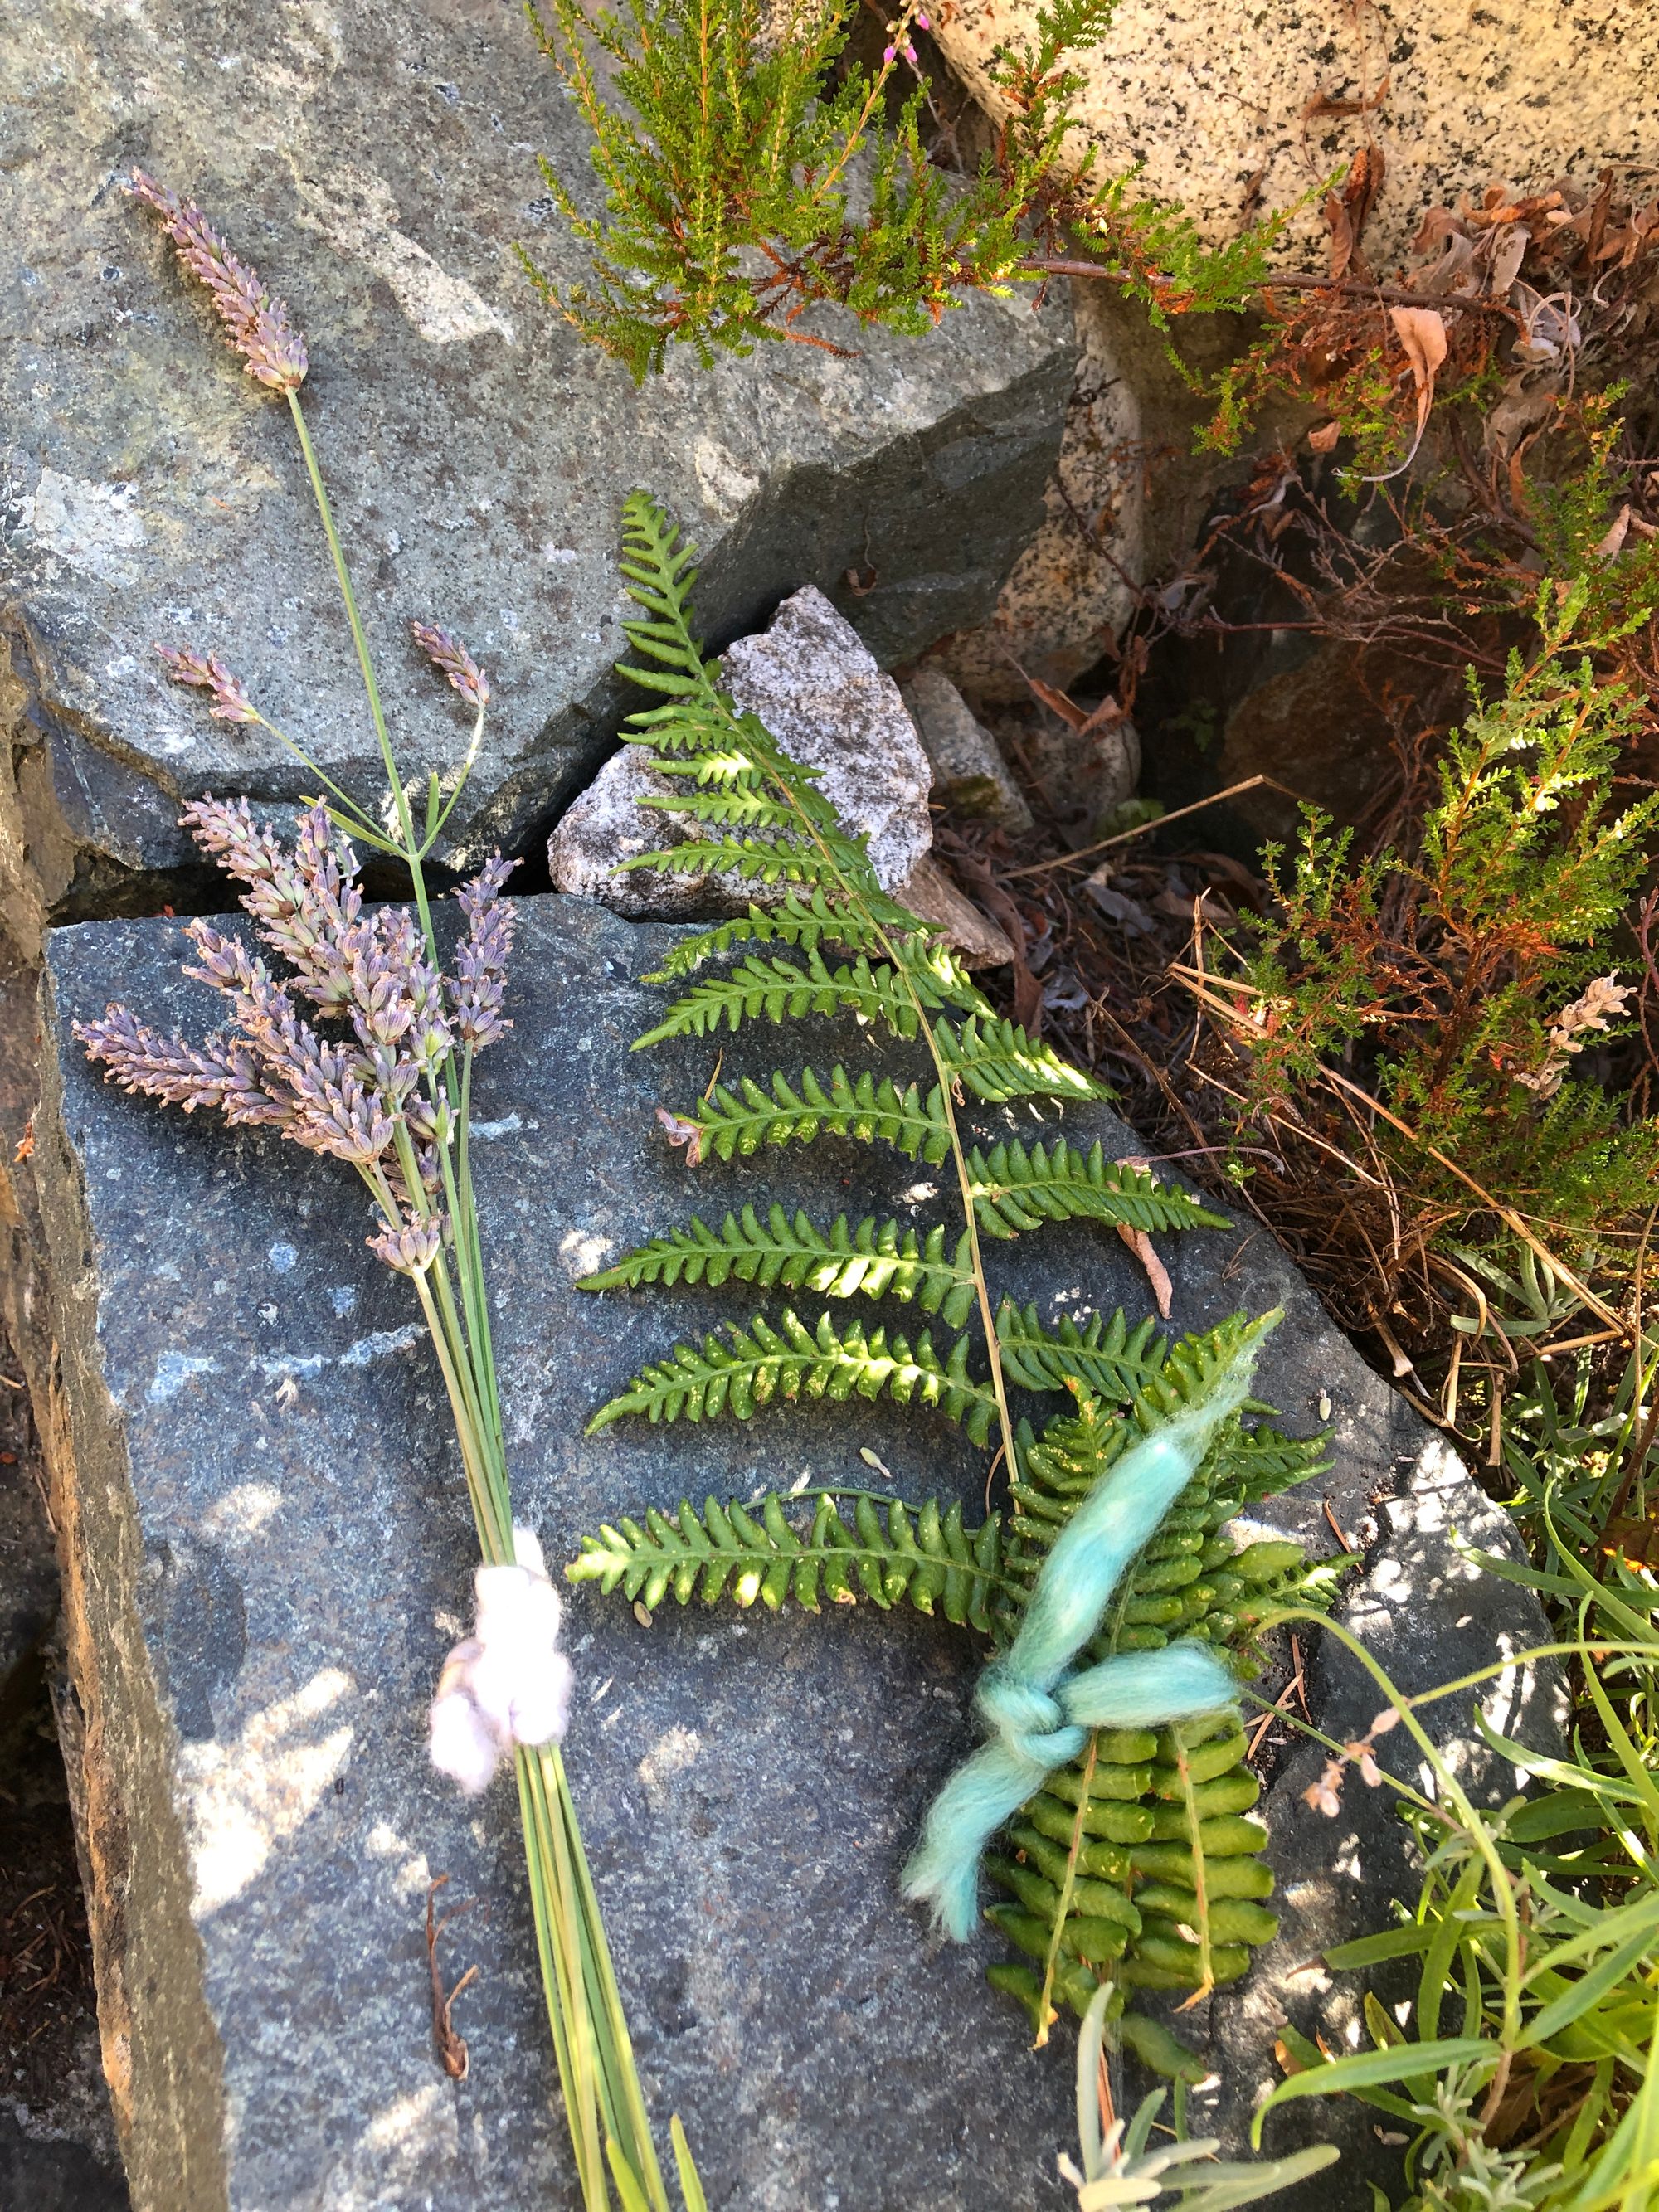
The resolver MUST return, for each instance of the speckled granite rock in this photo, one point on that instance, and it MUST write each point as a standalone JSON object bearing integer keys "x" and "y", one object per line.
{"x": 816, "y": 687}
{"x": 969, "y": 774}
{"x": 377, "y": 163}
{"x": 1225, "y": 106}
{"x": 268, "y": 1549}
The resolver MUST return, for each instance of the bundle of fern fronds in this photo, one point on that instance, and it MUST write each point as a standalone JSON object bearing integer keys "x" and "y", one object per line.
{"x": 833, "y": 941}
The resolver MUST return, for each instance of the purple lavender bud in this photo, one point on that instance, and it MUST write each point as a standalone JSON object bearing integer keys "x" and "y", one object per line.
{"x": 450, "y": 658}
{"x": 307, "y": 907}
{"x": 140, "y": 1059}
{"x": 481, "y": 957}
{"x": 226, "y": 831}
{"x": 255, "y": 323}
{"x": 410, "y": 1247}
{"x": 207, "y": 672}
{"x": 224, "y": 962}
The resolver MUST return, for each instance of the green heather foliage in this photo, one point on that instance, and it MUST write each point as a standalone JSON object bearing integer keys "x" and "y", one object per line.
{"x": 742, "y": 186}
{"x": 1445, "y": 973}
{"x": 1138, "y": 1839}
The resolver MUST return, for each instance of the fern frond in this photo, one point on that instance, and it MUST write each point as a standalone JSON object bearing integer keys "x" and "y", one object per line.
{"x": 877, "y": 1258}
{"x": 780, "y": 990}
{"x": 808, "y": 925}
{"x": 734, "y": 1125}
{"x": 738, "y": 804}
{"x": 1141, "y": 1859}
{"x": 751, "y": 860}
{"x": 1014, "y": 1189}
{"x": 1108, "y": 1358}
{"x": 661, "y": 577}
{"x": 920, "y": 1555}
{"x": 996, "y": 1060}
{"x": 1263, "y": 1461}
{"x": 762, "y": 1365}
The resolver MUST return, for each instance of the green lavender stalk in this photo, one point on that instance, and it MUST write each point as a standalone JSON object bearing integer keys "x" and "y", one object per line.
{"x": 610, "y": 2131}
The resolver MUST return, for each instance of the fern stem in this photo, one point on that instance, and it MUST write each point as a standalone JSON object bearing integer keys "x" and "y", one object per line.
{"x": 1201, "y": 1887}
{"x": 945, "y": 1078}
{"x": 982, "y": 1288}
{"x": 1067, "y": 1887}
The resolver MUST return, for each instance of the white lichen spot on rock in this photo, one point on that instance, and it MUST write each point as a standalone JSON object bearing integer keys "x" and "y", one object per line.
{"x": 725, "y": 483}
{"x": 357, "y": 213}
{"x": 583, "y": 1251}
{"x": 242, "y": 1513}
{"x": 673, "y": 1752}
{"x": 172, "y": 1370}
{"x": 247, "y": 1796}
{"x": 88, "y": 524}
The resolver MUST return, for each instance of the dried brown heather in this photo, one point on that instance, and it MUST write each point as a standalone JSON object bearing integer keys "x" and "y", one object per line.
{"x": 256, "y": 322}
{"x": 374, "y": 1097}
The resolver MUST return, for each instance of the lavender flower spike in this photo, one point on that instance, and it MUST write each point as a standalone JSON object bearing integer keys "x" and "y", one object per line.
{"x": 475, "y": 996}
{"x": 410, "y": 1247}
{"x": 450, "y": 658}
{"x": 206, "y": 672}
{"x": 255, "y": 323}
{"x": 213, "y": 1074}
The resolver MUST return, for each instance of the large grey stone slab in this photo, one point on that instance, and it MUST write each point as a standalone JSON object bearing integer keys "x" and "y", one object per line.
{"x": 270, "y": 1553}
{"x": 377, "y": 164}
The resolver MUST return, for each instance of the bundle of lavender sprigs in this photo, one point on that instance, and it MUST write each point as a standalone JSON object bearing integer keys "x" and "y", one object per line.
{"x": 394, "y": 1098}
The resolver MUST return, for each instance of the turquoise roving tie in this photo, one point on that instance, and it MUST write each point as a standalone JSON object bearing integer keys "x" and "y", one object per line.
{"x": 1038, "y": 1712}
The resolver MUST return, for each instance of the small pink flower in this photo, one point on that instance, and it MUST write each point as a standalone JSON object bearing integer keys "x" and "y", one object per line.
{"x": 922, "y": 23}
{"x": 1322, "y": 1796}
{"x": 889, "y": 52}
{"x": 910, "y": 55}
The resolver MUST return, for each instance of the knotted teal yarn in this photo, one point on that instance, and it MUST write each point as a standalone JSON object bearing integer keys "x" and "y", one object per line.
{"x": 1039, "y": 1714}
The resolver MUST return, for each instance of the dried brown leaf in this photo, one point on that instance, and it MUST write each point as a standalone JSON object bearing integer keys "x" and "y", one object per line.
{"x": 1158, "y": 1275}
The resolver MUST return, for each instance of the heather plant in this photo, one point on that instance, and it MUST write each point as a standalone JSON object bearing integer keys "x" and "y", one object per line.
{"x": 1463, "y": 979}
{"x": 1120, "y": 1615}
{"x": 388, "y": 1089}
{"x": 744, "y": 184}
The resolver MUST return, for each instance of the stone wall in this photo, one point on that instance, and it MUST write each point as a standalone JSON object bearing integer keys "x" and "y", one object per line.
{"x": 1233, "y": 108}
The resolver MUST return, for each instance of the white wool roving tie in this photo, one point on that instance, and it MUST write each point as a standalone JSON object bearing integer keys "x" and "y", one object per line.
{"x": 508, "y": 1683}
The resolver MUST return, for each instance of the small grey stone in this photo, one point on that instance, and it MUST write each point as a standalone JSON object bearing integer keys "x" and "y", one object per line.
{"x": 932, "y": 894}
{"x": 749, "y": 1785}
{"x": 969, "y": 773}
{"x": 816, "y": 687}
